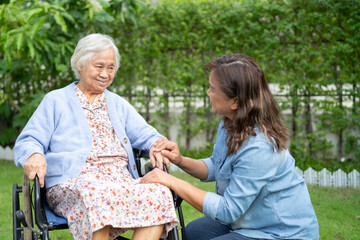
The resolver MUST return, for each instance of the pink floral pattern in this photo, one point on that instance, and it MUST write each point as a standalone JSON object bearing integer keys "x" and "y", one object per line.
{"x": 105, "y": 193}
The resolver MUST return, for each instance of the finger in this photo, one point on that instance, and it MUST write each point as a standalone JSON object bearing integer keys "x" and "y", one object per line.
{"x": 166, "y": 162}
{"x": 41, "y": 176}
{"x": 31, "y": 175}
{"x": 159, "y": 159}
{"x": 146, "y": 177}
{"x": 169, "y": 155}
{"x": 42, "y": 182}
{"x": 152, "y": 160}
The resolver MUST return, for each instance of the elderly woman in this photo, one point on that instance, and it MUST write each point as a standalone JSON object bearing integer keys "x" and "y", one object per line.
{"x": 80, "y": 140}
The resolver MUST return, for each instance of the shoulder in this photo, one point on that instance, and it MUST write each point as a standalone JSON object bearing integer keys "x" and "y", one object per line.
{"x": 256, "y": 149}
{"x": 260, "y": 140}
{"x": 59, "y": 93}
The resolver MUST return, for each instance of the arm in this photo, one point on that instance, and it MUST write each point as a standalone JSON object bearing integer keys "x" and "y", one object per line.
{"x": 194, "y": 167}
{"x": 33, "y": 142}
{"x": 194, "y": 196}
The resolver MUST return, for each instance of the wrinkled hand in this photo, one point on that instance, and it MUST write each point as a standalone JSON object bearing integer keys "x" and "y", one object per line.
{"x": 171, "y": 151}
{"x": 36, "y": 165}
{"x": 157, "y": 176}
{"x": 156, "y": 156}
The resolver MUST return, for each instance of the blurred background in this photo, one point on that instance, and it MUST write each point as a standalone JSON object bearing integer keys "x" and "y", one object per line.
{"x": 308, "y": 49}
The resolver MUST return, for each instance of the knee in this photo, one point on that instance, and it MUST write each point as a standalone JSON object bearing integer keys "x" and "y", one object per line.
{"x": 193, "y": 230}
{"x": 205, "y": 228}
{"x": 189, "y": 229}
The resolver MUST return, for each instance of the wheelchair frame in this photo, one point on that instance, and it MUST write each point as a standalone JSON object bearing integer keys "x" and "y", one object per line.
{"x": 23, "y": 222}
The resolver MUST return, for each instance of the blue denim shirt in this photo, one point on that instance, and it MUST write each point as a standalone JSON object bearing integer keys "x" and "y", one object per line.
{"x": 258, "y": 192}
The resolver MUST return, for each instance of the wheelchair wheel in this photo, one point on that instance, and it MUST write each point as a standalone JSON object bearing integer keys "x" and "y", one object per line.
{"x": 17, "y": 230}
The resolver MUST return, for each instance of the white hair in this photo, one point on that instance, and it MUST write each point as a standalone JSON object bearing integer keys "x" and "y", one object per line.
{"x": 88, "y": 46}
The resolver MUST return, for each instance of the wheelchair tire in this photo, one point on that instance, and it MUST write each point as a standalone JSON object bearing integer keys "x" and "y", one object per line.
{"x": 17, "y": 231}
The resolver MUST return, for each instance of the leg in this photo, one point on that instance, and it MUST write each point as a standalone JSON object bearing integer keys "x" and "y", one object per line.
{"x": 234, "y": 236}
{"x": 205, "y": 229}
{"x": 102, "y": 234}
{"x": 148, "y": 233}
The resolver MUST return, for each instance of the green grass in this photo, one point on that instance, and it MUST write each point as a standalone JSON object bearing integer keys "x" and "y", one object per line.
{"x": 337, "y": 209}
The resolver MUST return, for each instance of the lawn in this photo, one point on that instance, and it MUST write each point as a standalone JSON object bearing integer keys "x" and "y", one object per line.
{"x": 337, "y": 209}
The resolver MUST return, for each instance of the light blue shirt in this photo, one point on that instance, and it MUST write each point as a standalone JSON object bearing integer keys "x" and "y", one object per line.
{"x": 258, "y": 192}
{"x": 60, "y": 131}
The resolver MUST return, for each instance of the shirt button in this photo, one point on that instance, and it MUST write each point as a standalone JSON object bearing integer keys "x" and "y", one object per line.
{"x": 134, "y": 167}
{"x": 125, "y": 140}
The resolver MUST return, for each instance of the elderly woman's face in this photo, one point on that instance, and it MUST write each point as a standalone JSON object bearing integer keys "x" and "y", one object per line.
{"x": 99, "y": 73}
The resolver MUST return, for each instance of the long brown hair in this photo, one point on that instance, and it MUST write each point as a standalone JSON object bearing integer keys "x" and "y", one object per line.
{"x": 240, "y": 76}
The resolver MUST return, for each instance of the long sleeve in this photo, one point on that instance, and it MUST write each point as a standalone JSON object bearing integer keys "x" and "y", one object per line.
{"x": 36, "y": 135}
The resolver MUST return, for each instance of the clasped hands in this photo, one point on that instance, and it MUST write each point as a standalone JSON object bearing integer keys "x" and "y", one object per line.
{"x": 165, "y": 152}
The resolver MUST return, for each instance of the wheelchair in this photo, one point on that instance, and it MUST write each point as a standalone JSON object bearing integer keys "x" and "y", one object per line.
{"x": 36, "y": 209}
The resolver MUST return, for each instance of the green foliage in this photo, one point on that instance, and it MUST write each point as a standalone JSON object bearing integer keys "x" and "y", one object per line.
{"x": 198, "y": 153}
{"x": 37, "y": 39}
{"x": 310, "y": 49}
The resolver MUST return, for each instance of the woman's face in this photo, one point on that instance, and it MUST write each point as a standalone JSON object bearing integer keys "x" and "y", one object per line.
{"x": 221, "y": 103}
{"x": 99, "y": 73}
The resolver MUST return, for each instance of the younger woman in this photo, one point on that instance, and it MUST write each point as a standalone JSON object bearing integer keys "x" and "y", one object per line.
{"x": 258, "y": 195}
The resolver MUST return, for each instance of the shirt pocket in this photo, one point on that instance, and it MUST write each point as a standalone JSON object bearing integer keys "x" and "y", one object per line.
{"x": 223, "y": 182}
{"x": 224, "y": 174}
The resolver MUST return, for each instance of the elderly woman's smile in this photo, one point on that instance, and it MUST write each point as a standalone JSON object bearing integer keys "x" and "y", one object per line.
{"x": 98, "y": 74}
{"x": 80, "y": 141}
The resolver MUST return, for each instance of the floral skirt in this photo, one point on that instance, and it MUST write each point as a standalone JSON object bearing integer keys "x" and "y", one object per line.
{"x": 106, "y": 194}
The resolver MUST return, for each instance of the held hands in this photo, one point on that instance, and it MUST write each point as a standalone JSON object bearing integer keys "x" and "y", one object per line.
{"x": 36, "y": 164}
{"x": 156, "y": 156}
{"x": 163, "y": 150}
{"x": 170, "y": 150}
